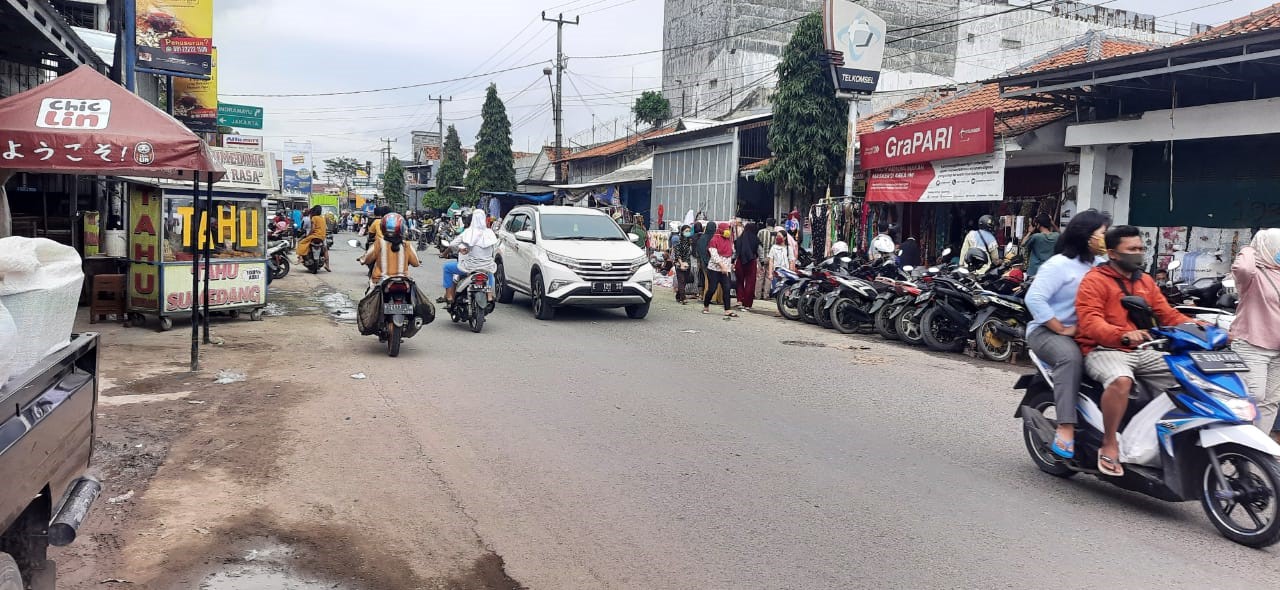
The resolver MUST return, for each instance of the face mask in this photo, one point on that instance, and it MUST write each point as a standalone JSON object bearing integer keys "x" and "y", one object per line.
{"x": 1130, "y": 262}
{"x": 688, "y": 234}
{"x": 779, "y": 240}
{"x": 1098, "y": 244}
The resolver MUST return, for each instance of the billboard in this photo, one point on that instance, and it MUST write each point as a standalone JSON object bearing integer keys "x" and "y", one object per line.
{"x": 972, "y": 178}
{"x": 967, "y": 134}
{"x": 175, "y": 36}
{"x": 195, "y": 101}
{"x": 249, "y": 142}
{"x": 859, "y": 35}
{"x": 297, "y": 168}
{"x": 247, "y": 169}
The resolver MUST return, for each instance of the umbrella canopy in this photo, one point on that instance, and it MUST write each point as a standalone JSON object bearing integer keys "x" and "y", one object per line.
{"x": 83, "y": 123}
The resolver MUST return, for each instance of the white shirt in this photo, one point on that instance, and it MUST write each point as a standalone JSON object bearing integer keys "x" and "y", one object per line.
{"x": 780, "y": 256}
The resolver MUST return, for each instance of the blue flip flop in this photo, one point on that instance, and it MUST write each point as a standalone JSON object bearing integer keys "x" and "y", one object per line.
{"x": 1066, "y": 450}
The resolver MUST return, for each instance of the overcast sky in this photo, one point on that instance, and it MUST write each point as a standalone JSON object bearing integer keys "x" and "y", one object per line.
{"x": 328, "y": 46}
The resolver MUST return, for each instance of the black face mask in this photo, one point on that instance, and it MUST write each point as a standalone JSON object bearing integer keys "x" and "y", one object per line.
{"x": 1130, "y": 262}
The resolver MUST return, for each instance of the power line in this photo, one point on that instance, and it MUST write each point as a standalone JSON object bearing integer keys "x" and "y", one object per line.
{"x": 695, "y": 44}
{"x": 405, "y": 87}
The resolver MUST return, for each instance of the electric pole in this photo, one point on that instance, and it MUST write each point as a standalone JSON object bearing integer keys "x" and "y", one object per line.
{"x": 559, "y": 112}
{"x": 440, "y": 100}
{"x": 386, "y": 154}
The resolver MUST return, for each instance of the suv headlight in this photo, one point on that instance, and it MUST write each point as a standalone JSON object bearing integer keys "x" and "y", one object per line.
{"x": 639, "y": 263}
{"x": 562, "y": 260}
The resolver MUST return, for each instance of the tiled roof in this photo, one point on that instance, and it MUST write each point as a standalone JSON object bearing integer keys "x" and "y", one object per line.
{"x": 431, "y": 153}
{"x": 1013, "y": 117}
{"x": 618, "y": 146}
{"x": 757, "y": 165}
{"x": 1258, "y": 20}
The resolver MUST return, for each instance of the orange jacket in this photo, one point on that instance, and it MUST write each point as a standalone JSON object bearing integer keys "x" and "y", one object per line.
{"x": 1103, "y": 321}
{"x": 387, "y": 263}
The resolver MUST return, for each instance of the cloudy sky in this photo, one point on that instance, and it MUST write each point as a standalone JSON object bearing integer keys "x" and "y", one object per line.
{"x": 334, "y": 46}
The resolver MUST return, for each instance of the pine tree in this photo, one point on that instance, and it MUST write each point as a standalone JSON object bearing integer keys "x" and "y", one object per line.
{"x": 393, "y": 185}
{"x": 453, "y": 164}
{"x": 492, "y": 168}
{"x": 810, "y": 125}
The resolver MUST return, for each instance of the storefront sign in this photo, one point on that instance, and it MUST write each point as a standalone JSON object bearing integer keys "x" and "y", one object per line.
{"x": 175, "y": 35}
{"x": 248, "y": 142}
{"x": 195, "y": 101}
{"x": 236, "y": 228}
{"x": 297, "y": 169}
{"x": 974, "y": 178}
{"x": 144, "y": 248}
{"x": 246, "y": 169}
{"x": 231, "y": 284}
{"x": 859, "y": 36}
{"x": 969, "y": 134}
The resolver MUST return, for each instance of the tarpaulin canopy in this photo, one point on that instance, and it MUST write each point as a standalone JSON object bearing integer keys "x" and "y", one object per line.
{"x": 83, "y": 123}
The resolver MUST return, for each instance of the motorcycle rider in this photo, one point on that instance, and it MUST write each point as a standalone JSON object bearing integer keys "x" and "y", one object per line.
{"x": 983, "y": 238}
{"x": 1108, "y": 337}
{"x": 475, "y": 248}
{"x": 318, "y": 232}
{"x": 388, "y": 256}
{"x": 882, "y": 245}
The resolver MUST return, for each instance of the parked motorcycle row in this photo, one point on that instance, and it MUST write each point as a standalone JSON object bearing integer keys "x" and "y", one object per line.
{"x": 942, "y": 307}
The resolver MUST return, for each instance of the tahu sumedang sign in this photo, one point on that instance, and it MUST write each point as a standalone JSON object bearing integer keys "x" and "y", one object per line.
{"x": 174, "y": 35}
{"x": 859, "y": 36}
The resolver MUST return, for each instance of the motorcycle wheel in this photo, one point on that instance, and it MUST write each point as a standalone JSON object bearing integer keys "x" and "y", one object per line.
{"x": 788, "y": 303}
{"x": 842, "y": 316}
{"x": 884, "y": 323}
{"x": 282, "y": 268}
{"x": 991, "y": 344}
{"x": 938, "y": 332}
{"x": 393, "y": 340}
{"x": 822, "y": 315}
{"x": 908, "y": 325}
{"x": 808, "y": 309}
{"x": 1044, "y": 459}
{"x": 1252, "y": 517}
{"x": 478, "y": 307}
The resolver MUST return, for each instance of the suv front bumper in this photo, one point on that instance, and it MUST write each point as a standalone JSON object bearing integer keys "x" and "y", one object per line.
{"x": 579, "y": 294}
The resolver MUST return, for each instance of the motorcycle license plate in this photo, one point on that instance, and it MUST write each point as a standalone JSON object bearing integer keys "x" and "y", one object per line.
{"x": 606, "y": 287}
{"x": 1218, "y": 361}
{"x": 397, "y": 308}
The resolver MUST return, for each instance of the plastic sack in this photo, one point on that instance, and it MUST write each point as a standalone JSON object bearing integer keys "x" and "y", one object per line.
{"x": 40, "y": 283}
{"x": 1140, "y": 444}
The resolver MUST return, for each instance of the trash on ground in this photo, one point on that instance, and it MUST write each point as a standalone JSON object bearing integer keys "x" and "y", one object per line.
{"x": 226, "y": 376}
{"x": 359, "y": 376}
{"x": 195, "y": 402}
{"x": 689, "y": 332}
{"x": 125, "y": 497}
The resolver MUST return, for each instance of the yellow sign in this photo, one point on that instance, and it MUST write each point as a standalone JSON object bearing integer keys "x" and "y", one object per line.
{"x": 195, "y": 102}
{"x": 144, "y": 247}
{"x": 231, "y": 284}
{"x": 237, "y": 228}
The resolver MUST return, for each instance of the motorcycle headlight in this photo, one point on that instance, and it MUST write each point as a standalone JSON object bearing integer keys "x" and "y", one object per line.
{"x": 1242, "y": 407}
{"x": 981, "y": 300}
{"x": 562, "y": 260}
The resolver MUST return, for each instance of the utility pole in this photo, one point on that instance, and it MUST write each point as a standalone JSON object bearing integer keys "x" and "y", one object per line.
{"x": 440, "y": 100}
{"x": 386, "y": 154}
{"x": 559, "y": 102}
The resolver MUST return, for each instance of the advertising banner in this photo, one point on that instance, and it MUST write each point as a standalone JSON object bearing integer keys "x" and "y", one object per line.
{"x": 248, "y": 169}
{"x": 175, "y": 36}
{"x": 231, "y": 285}
{"x": 973, "y": 178}
{"x": 144, "y": 248}
{"x": 195, "y": 101}
{"x": 246, "y": 142}
{"x": 297, "y": 169}
{"x": 859, "y": 35}
{"x": 968, "y": 134}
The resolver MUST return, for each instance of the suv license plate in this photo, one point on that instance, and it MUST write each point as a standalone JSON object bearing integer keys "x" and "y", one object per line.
{"x": 400, "y": 308}
{"x": 1224, "y": 361}
{"x": 606, "y": 287}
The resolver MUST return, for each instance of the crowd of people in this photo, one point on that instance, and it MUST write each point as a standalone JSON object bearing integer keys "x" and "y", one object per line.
{"x": 721, "y": 260}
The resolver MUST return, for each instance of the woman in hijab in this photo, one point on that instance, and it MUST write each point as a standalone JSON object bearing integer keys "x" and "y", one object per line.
{"x": 719, "y": 266}
{"x": 910, "y": 253}
{"x": 475, "y": 248}
{"x": 747, "y": 265}
{"x": 702, "y": 249}
{"x": 1253, "y": 332}
{"x": 682, "y": 257}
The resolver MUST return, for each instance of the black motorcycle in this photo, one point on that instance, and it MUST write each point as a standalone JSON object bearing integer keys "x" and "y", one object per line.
{"x": 278, "y": 255}
{"x": 471, "y": 301}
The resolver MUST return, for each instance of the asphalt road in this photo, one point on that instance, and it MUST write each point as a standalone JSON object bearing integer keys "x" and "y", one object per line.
{"x": 594, "y": 451}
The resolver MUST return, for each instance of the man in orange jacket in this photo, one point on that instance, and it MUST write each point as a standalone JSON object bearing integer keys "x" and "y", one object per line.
{"x": 1108, "y": 338}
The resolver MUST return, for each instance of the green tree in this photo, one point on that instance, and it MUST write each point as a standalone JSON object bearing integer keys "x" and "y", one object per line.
{"x": 808, "y": 133}
{"x": 492, "y": 168}
{"x": 341, "y": 169}
{"x": 393, "y": 185}
{"x": 652, "y": 108}
{"x": 436, "y": 199}
{"x": 453, "y": 164}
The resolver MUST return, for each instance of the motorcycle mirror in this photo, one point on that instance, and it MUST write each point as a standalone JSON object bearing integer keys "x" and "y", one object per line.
{"x": 353, "y": 243}
{"x": 945, "y": 253}
{"x": 1228, "y": 284}
{"x": 1175, "y": 265}
{"x": 963, "y": 271}
{"x": 845, "y": 259}
{"x": 908, "y": 268}
{"x": 933, "y": 269}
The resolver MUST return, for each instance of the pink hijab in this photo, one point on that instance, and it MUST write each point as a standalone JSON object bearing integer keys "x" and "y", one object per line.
{"x": 721, "y": 244}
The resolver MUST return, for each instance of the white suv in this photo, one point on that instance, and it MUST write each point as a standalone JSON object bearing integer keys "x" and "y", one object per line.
{"x": 571, "y": 256}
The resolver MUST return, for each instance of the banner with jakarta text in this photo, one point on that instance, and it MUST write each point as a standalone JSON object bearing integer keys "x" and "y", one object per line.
{"x": 975, "y": 178}
{"x": 175, "y": 35}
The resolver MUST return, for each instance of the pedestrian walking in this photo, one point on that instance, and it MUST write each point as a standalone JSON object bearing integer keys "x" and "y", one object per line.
{"x": 747, "y": 264}
{"x": 1253, "y": 332}
{"x": 1040, "y": 244}
{"x": 702, "y": 249}
{"x": 779, "y": 256}
{"x": 719, "y": 265}
{"x": 764, "y": 238}
{"x": 682, "y": 257}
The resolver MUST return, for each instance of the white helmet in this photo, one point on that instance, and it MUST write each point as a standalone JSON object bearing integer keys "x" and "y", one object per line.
{"x": 839, "y": 248}
{"x": 882, "y": 244}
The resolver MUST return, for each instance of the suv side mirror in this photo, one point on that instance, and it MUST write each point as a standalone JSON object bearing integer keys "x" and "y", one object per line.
{"x": 524, "y": 235}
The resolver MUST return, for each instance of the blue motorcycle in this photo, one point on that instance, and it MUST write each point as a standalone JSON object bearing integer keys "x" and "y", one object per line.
{"x": 1195, "y": 441}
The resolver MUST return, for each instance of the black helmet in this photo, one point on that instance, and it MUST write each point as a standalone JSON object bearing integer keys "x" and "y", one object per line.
{"x": 987, "y": 222}
{"x": 976, "y": 258}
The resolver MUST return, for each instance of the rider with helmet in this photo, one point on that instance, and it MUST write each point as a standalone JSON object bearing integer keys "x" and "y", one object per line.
{"x": 882, "y": 245}
{"x": 476, "y": 247}
{"x": 388, "y": 256}
{"x": 981, "y": 241}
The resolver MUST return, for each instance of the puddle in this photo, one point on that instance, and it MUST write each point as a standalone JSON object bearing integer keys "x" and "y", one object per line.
{"x": 141, "y": 398}
{"x": 337, "y": 306}
{"x": 804, "y": 343}
{"x": 264, "y": 569}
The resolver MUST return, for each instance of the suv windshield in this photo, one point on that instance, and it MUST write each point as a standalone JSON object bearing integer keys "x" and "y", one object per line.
{"x": 580, "y": 227}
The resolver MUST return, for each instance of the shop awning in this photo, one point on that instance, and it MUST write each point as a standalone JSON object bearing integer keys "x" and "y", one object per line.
{"x": 641, "y": 171}
{"x": 83, "y": 123}
{"x": 529, "y": 197}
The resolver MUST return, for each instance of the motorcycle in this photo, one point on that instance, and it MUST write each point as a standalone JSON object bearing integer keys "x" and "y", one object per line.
{"x": 471, "y": 302}
{"x": 1000, "y": 326}
{"x": 786, "y": 289}
{"x": 1195, "y": 441}
{"x": 849, "y": 306}
{"x": 393, "y": 310}
{"x": 314, "y": 260}
{"x": 443, "y": 237}
{"x": 907, "y": 321}
{"x": 278, "y": 253}
{"x": 424, "y": 237}
{"x": 891, "y": 302}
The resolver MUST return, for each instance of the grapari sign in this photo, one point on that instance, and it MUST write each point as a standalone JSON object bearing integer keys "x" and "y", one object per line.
{"x": 967, "y": 134}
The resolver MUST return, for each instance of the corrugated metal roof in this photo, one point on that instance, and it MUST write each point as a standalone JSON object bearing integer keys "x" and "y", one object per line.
{"x": 618, "y": 146}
